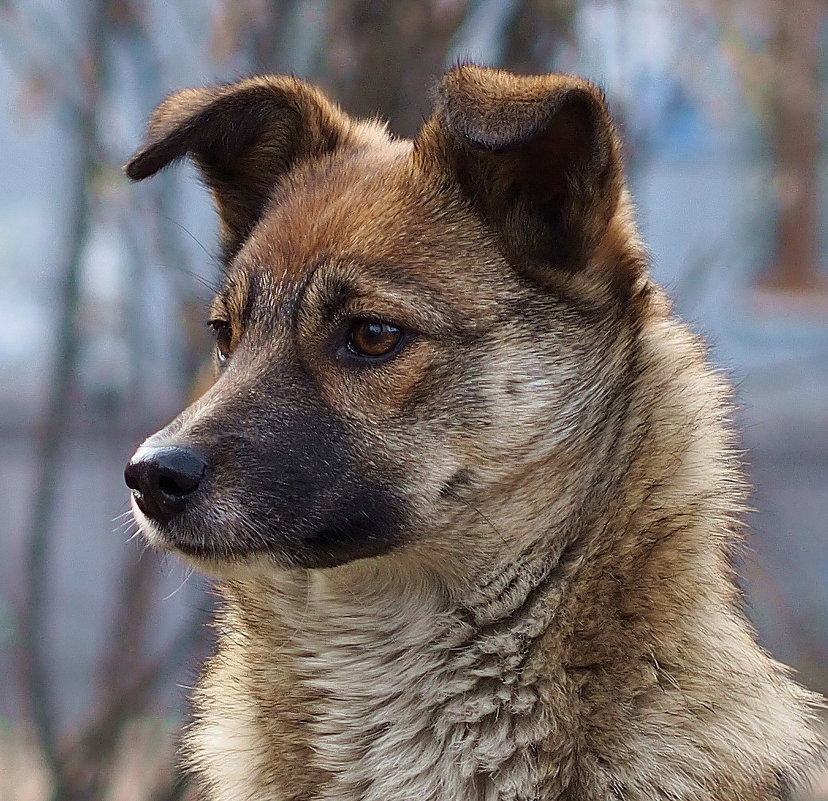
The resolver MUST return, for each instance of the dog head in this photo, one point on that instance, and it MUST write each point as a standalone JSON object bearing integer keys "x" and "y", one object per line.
{"x": 411, "y": 336}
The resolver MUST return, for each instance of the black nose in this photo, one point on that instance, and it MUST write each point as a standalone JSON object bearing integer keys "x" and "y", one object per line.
{"x": 161, "y": 479}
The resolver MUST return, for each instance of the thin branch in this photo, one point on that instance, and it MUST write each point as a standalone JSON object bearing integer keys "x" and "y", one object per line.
{"x": 35, "y": 675}
{"x": 108, "y": 723}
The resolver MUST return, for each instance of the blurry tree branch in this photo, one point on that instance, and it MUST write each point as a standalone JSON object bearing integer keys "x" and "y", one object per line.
{"x": 795, "y": 136}
{"x": 52, "y": 433}
{"x": 384, "y": 57}
{"x": 781, "y": 76}
{"x": 164, "y": 196}
{"x": 92, "y": 753}
{"x": 123, "y": 683}
{"x": 79, "y": 769}
{"x": 41, "y": 60}
{"x": 535, "y": 34}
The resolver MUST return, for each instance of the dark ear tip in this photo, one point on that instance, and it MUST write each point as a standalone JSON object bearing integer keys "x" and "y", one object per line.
{"x": 132, "y": 171}
{"x": 142, "y": 165}
{"x": 135, "y": 169}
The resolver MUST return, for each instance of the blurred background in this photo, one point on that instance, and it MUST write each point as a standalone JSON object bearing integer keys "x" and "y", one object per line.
{"x": 103, "y": 288}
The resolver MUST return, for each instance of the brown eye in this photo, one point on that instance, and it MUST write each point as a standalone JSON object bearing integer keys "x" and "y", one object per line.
{"x": 374, "y": 339}
{"x": 224, "y": 338}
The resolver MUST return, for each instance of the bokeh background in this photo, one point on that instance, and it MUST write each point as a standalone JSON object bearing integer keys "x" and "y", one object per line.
{"x": 103, "y": 288}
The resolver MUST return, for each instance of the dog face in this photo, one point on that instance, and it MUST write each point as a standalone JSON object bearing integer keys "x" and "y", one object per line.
{"x": 411, "y": 336}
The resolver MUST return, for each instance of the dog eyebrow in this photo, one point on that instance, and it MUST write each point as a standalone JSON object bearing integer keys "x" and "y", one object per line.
{"x": 376, "y": 288}
{"x": 392, "y": 279}
{"x": 219, "y": 306}
{"x": 236, "y": 296}
{"x": 255, "y": 289}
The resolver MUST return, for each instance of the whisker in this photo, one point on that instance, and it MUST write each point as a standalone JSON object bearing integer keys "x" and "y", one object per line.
{"x": 210, "y": 255}
{"x": 135, "y": 534}
{"x": 209, "y": 285}
{"x": 474, "y": 508}
{"x": 186, "y": 578}
{"x": 123, "y": 525}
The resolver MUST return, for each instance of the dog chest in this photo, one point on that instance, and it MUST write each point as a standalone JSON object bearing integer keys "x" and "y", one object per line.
{"x": 412, "y": 704}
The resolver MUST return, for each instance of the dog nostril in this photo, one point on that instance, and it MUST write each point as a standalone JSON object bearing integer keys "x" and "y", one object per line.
{"x": 161, "y": 479}
{"x": 169, "y": 486}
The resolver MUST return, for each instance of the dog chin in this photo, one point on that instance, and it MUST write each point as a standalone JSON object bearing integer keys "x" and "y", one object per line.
{"x": 167, "y": 539}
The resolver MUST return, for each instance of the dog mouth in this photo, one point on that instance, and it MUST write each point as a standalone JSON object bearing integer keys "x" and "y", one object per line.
{"x": 217, "y": 532}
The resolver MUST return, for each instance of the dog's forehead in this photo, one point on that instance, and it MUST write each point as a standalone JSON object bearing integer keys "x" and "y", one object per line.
{"x": 375, "y": 205}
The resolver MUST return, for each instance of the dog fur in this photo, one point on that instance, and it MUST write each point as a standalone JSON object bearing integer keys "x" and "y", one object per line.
{"x": 496, "y": 563}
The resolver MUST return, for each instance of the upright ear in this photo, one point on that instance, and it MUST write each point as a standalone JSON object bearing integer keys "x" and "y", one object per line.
{"x": 244, "y": 137}
{"x": 537, "y": 155}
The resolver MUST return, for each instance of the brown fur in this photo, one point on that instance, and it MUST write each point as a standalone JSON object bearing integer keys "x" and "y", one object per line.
{"x": 495, "y": 565}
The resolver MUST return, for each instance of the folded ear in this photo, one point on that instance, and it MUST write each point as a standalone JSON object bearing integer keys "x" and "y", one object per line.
{"x": 537, "y": 155}
{"x": 243, "y": 137}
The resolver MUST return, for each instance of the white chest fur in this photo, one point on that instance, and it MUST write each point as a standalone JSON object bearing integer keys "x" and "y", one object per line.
{"x": 419, "y": 703}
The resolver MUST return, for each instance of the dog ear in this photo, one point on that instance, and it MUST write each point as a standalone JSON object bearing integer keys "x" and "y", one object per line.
{"x": 243, "y": 137}
{"x": 537, "y": 155}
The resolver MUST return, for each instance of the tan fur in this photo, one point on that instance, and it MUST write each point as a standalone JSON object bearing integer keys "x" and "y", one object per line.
{"x": 565, "y": 625}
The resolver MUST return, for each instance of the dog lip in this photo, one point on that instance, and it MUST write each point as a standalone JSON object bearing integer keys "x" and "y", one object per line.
{"x": 152, "y": 532}
{"x": 193, "y": 550}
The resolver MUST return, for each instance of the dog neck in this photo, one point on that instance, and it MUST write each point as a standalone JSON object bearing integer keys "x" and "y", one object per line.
{"x": 399, "y": 673}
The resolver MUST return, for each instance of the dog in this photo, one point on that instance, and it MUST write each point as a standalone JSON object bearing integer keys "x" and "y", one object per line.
{"x": 467, "y": 487}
